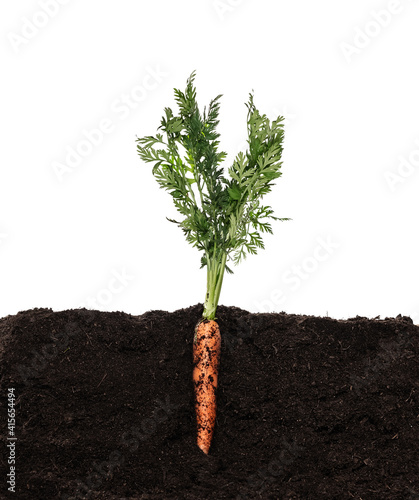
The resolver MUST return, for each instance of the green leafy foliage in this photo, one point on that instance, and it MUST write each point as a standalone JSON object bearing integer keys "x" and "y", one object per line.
{"x": 221, "y": 215}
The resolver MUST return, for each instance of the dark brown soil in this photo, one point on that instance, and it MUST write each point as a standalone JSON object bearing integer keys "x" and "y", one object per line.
{"x": 308, "y": 407}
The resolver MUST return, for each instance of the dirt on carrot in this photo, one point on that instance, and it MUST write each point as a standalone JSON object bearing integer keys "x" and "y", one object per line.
{"x": 206, "y": 360}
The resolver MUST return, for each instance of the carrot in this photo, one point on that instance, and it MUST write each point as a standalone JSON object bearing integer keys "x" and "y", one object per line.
{"x": 206, "y": 360}
{"x": 221, "y": 216}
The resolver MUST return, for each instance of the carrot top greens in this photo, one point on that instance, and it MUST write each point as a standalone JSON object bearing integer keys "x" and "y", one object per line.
{"x": 223, "y": 217}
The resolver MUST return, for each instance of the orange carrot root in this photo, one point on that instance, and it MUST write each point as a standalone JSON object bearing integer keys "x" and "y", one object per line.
{"x": 206, "y": 358}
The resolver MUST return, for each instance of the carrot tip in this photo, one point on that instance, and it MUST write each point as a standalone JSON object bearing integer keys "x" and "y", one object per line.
{"x": 204, "y": 448}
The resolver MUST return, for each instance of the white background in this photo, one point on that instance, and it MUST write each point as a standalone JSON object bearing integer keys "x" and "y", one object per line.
{"x": 344, "y": 75}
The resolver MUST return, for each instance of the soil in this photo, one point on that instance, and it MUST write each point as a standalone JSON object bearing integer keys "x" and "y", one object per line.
{"x": 308, "y": 407}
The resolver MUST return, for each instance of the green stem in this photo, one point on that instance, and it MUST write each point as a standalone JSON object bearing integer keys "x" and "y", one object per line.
{"x": 215, "y": 273}
{"x": 220, "y": 277}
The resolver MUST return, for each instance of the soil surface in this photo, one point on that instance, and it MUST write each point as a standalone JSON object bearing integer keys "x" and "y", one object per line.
{"x": 308, "y": 407}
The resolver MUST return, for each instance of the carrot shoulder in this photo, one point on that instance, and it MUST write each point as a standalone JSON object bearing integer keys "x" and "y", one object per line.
{"x": 206, "y": 358}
